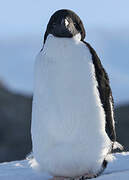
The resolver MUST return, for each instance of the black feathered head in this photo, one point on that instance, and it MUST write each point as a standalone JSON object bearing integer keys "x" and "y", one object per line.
{"x": 65, "y": 23}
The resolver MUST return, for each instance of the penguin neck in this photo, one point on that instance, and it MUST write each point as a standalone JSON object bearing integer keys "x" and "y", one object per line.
{"x": 56, "y": 46}
{"x": 50, "y": 39}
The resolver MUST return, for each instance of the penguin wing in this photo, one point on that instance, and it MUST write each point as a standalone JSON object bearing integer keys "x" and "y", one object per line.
{"x": 105, "y": 93}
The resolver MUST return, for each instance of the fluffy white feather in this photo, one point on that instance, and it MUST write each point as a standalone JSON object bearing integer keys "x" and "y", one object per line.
{"x": 68, "y": 121}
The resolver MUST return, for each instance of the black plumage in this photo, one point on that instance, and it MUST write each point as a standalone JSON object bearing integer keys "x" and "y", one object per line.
{"x": 105, "y": 93}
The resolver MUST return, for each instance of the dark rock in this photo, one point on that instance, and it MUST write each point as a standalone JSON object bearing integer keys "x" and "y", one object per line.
{"x": 15, "y": 121}
{"x": 122, "y": 125}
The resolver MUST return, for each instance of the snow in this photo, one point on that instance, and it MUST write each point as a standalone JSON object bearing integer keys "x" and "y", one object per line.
{"x": 117, "y": 169}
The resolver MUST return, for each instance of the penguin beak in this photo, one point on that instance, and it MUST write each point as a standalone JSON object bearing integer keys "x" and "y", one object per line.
{"x": 61, "y": 29}
{"x": 63, "y": 22}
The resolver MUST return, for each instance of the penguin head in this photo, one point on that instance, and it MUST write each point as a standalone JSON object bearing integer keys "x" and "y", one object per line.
{"x": 65, "y": 23}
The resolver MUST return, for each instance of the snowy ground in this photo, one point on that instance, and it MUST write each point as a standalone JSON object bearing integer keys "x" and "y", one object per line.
{"x": 20, "y": 170}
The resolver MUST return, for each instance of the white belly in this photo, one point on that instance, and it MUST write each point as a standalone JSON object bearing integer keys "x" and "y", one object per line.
{"x": 68, "y": 121}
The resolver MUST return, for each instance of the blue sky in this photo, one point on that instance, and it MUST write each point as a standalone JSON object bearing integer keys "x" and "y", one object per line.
{"x": 31, "y": 16}
{"x": 21, "y": 33}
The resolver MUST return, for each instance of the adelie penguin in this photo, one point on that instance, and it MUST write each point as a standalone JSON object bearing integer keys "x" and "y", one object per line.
{"x": 73, "y": 128}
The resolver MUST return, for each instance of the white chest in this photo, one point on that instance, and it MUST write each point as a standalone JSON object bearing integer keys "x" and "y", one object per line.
{"x": 68, "y": 121}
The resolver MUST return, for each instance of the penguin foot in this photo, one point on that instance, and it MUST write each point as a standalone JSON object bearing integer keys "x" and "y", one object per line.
{"x": 84, "y": 177}
{"x": 88, "y": 176}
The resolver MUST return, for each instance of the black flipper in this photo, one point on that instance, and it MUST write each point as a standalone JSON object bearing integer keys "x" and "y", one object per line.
{"x": 105, "y": 93}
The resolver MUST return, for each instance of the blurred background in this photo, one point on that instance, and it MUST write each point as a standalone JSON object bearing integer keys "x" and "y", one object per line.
{"x": 22, "y": 26}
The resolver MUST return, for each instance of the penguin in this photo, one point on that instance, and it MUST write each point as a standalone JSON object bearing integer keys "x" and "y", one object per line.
{"x": 73, "y": 128}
